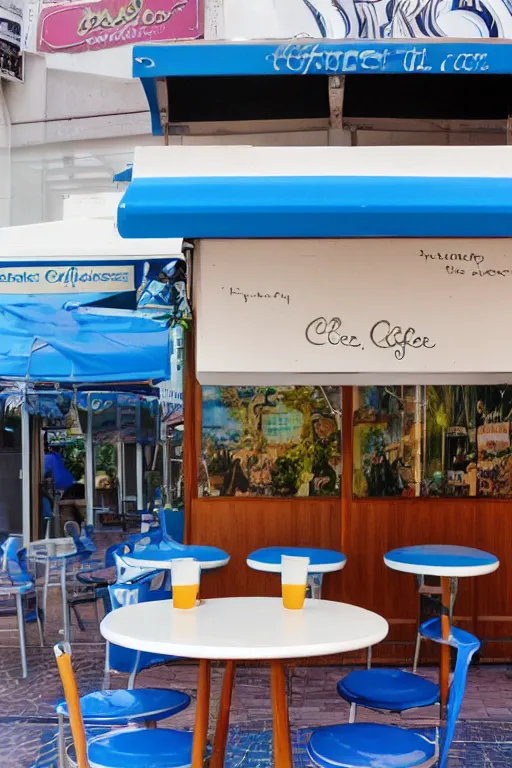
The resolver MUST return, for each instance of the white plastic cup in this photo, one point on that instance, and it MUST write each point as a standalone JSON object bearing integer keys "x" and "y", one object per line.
{"x": 294, "y": 580}
{"x": 185, "y": 580}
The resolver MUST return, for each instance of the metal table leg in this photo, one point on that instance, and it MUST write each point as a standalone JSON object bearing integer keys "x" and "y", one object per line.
{"x": 65, "y": 612}
{"x": 444, "y": 670}
{"x": 434, "y": 591}
{"x": 21, "y": 632}
{"x": 315, "y": 581}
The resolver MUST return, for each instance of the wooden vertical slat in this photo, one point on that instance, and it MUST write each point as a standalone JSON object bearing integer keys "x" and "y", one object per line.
{"x": 190, "y": 452}
{"x": 347, "y": 452}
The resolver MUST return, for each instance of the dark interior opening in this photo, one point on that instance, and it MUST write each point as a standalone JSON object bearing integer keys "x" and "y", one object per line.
{"x": 217, "y": 99}
{"x": 437, "y": 97}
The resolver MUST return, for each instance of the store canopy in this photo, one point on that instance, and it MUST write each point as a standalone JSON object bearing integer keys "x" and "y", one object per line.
{"x": 94, "y": 239}
{"x": 223, "y": 69}
{"x": 41, "y": 344}
{"x": 288, "y": 192}
{"x": 301, "y": 56}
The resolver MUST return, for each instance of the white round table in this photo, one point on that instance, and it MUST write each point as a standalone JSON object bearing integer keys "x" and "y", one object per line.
{"x": 243, "y": 628}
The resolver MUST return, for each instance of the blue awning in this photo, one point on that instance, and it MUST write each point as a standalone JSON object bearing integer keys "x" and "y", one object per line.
{"x": 124, "y": 176}
{"x": 316, "y": 206}
{"x": 41, "y": 344}
{"x": 322, "y": 57}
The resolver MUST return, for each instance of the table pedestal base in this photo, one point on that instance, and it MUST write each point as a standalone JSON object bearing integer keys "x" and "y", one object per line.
{"x": 315, "y": 581}
{"x": 281, "y": 724}
{"x": 446, "y": 615}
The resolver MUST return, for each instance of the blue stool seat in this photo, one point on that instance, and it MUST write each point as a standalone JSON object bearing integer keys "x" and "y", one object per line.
{"x": 122, "y": 707}
{"x": 389, "y": 689}
{"x": 141, "y": 748}
{"x": 366, "y": 745}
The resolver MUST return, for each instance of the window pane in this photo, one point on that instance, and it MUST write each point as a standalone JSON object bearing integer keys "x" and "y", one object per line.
{"x": 440, "y": 441}
{"x": 271, "y": 441}
{"x": 387, "y": 435}
{"x": 450, "y": 441}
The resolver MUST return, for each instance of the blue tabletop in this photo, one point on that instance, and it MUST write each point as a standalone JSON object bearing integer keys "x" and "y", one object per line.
{"x": 269, "y": 558}
{"x": 168, "y": 550}
{"x": 427, "y": 558}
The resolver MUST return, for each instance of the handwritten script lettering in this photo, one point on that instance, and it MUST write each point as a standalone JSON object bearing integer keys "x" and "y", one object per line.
{"x": 322, "y": 331}
{"x": 476, "y": 258}
{"x": 307, "y": 58}
{"x": 131, "y": 14}
{"x": 259, "y": 295}
{"x": 386, "y": 336}
{"x": 383, "y": 335}
{"x": 455, "y": 268}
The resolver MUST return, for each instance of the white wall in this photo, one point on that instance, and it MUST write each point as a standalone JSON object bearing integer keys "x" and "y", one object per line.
{"x": 5, "y": 160}
{"x": 70, "y": 132}
{"x": 42, "y": 107}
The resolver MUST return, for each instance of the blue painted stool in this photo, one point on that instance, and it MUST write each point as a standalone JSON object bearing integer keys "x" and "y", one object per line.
{"x": 449, "y": 563}
{"x": 363, "y": 745}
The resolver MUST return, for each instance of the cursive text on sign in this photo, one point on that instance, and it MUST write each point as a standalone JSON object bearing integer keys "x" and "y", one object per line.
{"x": 384, "y": 335}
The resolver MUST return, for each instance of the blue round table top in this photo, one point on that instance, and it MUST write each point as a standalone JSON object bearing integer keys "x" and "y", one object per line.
{"x": 320, "y": 560}
{"x": 441, "y": 560}
{"x": 161, "y": 555}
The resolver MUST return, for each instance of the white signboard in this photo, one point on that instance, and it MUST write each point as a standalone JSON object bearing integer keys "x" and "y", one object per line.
{"x": 354, "y": 311}
{"x": 60, "y": 278}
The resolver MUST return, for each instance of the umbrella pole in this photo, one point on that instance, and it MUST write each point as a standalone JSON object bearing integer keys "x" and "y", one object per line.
{"x": 165, "y": 478}
{"x": 139, "y": 463}
{"x": 120, "y": 482}
{"x": 89, "y": 467}
{"x": 25, "y": 470}
{"x": 140, "y": 478}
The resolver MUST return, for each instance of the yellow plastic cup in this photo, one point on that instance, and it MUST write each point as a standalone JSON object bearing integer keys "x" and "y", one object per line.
{"x": 185, "y": 580}
{"x": 294, "y": 581}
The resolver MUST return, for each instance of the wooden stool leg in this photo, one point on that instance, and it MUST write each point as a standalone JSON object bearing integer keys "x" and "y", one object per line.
{"x": 282, "y": 741}
{"x": 202, "y": 711}
{"x": 444, "y": 674}
{"x": 221, "y": 732}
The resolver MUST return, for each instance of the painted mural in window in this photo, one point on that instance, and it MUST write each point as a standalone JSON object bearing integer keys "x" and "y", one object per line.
{"x": 386, "y": 457}
{"x": 433, "y": 441}
{"x": 271, "y": 441}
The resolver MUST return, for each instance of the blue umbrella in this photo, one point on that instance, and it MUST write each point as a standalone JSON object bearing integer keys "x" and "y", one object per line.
{"x": 39, "y": 343}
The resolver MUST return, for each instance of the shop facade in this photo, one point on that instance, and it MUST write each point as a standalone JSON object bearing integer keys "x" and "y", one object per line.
{"x": 303, "y": 423}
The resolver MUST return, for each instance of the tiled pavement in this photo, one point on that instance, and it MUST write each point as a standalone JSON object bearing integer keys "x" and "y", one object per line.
{"x": 28, "y": 723}
{"x": 484, "y": 738}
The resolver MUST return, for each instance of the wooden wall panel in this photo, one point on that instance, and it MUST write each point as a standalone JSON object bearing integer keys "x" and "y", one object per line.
{"x": 241, "y": 525}
{"x": 365, "y": 529}
{"x": 484, "y": 605}
{"x": 376, "y": 526}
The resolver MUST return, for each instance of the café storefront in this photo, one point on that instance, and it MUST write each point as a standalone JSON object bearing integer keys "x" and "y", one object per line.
{"x": 347, "y": 386}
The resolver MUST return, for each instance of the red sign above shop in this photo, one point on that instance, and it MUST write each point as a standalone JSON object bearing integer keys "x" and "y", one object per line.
{"x": 86, "y": 26}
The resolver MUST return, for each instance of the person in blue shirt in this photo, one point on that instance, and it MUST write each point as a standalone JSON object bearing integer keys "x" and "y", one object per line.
{"x": 55, "y": 468}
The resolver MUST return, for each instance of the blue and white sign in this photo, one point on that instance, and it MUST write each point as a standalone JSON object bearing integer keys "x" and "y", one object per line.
{"x": 319, "y": 57}
{"x": 66, "y": 279}
{"x": 363, "y": 19}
